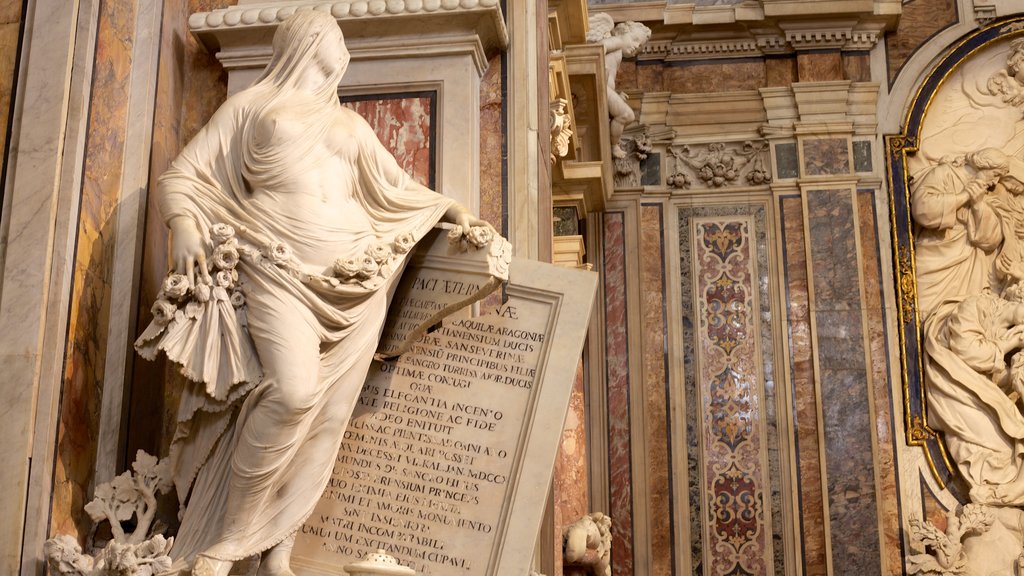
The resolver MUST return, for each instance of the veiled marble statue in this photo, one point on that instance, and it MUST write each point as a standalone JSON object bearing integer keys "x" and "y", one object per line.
{"x": 290, "y": 223}
{"x": 619, "y": 40}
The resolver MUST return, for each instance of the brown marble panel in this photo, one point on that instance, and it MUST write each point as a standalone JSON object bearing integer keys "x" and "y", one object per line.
{"x": 918, "y": 22}
{"x": 819, "y": 66}
{"x": 878, "y": 340}
{"x": 857, "y": 66}
{"x": 617, "y": 369}
{"x": 94, "y": 259}
{"x": 402, "y": 123}
{"x": 492, "y": 141}
{"x": 8, "y": 54}
{"x": 826, "y": 156}
{"x": 780, "y": 71}
{"x": 659, "y": 450}
{"x": 571, "y": 483}
{"x": 715, "y": 77}
{"x": 10, "y": 11}
{"x": 805, "y": 416}
{"x": 844, "y": 380}
{"x": 650, "y": 77}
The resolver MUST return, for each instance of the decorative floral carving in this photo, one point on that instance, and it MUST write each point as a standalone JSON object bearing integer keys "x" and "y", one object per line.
{"x": 561, "y": 129}
{"x": 587, "y": 542}
{"x": 720, "y": 165}
{"x": 130, "y": 495}
{"x": 941, "y": 553}
{"x": 627, "y": 167}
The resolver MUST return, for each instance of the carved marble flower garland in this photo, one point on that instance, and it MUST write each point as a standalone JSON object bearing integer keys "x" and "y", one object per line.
{"x": 178, "y": 300}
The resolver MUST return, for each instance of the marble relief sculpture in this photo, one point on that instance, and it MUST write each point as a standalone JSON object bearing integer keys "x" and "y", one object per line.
{"x": 290, "y": 222}
{"x": 965, "y": 192}
{"x": 619, "y": 41}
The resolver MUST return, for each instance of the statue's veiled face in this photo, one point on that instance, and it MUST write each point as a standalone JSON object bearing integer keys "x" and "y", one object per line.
{"x": 332, "y": 56}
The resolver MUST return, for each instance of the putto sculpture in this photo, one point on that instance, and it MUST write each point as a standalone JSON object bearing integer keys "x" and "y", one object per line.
{"x": 619, "y": 41}
{"x": 290, "y": 222}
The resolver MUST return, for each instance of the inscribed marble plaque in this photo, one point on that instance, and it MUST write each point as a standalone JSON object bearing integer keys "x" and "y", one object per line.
{"x": 448, "y": 458}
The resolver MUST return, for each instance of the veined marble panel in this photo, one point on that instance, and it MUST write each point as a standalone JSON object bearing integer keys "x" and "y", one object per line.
{"x": 617, "y": 362}
{"x": 656, "y": 392}
{"x": 844, "y": 379}
{"x": 878, "y": 341}
{"x": 825, "y": 156}
{"x": 90, "y": 302}
{"x": 805, "y": 406}
{"x": 405, "y": 124}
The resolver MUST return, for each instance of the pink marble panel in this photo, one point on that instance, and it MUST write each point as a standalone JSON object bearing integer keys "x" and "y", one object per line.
{"x": 403, "y": 124}
{"x": 737, "y": 534}
{"x": 805, "y": 411}
{"x": 617, "y": 359}
{"x": 652, "y": 309}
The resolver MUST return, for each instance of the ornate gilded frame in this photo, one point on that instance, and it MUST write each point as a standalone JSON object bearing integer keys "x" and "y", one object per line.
{"x": 898, "y": 148}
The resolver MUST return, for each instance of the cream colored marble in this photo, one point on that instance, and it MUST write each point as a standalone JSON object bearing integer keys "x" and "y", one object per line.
{"x": 306, "y": 221}
{"x": 619, "y": 41}
{"x": 37, "y": 237}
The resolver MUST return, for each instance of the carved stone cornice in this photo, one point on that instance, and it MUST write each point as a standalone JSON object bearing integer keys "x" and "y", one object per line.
{"x": 477, "y": 24}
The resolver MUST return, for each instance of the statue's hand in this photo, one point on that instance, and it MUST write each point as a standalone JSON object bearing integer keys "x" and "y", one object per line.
{"x": 459, "y": 216}
{"x": 187, "y": 248}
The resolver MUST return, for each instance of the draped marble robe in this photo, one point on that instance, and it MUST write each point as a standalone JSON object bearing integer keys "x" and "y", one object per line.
{"x": 272, "y": 384}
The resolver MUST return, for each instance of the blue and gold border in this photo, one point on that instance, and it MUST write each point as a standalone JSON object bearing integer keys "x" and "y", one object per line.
{"x": 898, "y": 147}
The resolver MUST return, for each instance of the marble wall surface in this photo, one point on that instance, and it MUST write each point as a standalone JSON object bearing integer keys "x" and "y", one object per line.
{"x": 90, "y": 305}
{"x": 10, "y": 27}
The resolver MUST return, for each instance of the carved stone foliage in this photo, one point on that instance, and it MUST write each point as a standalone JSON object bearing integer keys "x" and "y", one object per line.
{"x": 719, "y": 165}
{"x": 130, "y": 496}
{"x": 627, "y": 167}
{"x": 561, "y": 129}
{"x": 941, "y": 553}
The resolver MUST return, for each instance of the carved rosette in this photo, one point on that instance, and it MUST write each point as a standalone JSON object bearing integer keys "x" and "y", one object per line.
{"x": 719, "y": 165}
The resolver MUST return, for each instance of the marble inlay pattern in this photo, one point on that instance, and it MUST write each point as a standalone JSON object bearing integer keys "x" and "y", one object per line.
{"x": 492, "y": 157}
{"x": 404, "y": 124}
{"x": 862, "y": 156}
{"x": 731, "y": 399}
{"x": 754, "y": 216}
{"x": 805, "y": 412}
{"x": 819, "y": 66}
{"x": 659, "y": 448}
{"x": 617, "y": 359}
{"x": 845, "y": 383}
{"x": 826, "y": 156}
{"x": 90, "y": 302}
{"x": 878, "y": 340}
{"x": 786, "y": 162}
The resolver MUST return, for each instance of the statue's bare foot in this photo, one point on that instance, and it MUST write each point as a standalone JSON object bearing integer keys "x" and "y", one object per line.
{"x": 207, "y": 566}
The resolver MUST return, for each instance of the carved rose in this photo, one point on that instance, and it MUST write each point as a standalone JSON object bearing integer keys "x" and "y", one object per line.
{"x": 368, "y": 267}
{"x": 403, "y": 243}
{"x": 175, "y": 286}
{"x": 237, "y": 299}
{"x": 379, "y": 252}
{"x": 479, "y": 236}
{"x": 163, "y": 311}
{"x": 221, "y": 233}
{"x": 225, "y": 257}
{"x": 202, "y": 292}
{"x": 279, "y": 252}
{"x": 346, "y": 268}
{"x": 223, "y": 279}
{"x": 455, "y": 235}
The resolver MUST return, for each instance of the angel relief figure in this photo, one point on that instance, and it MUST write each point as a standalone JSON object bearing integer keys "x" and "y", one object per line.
{"x": 290, "y": 223}
{"x": 619, "y": 40}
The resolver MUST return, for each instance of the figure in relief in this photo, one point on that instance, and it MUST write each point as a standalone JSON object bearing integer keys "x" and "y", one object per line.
{"x": 619, "y": 40}
{"x": 289, "y": 222}
{"x": 957, "y": 229}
